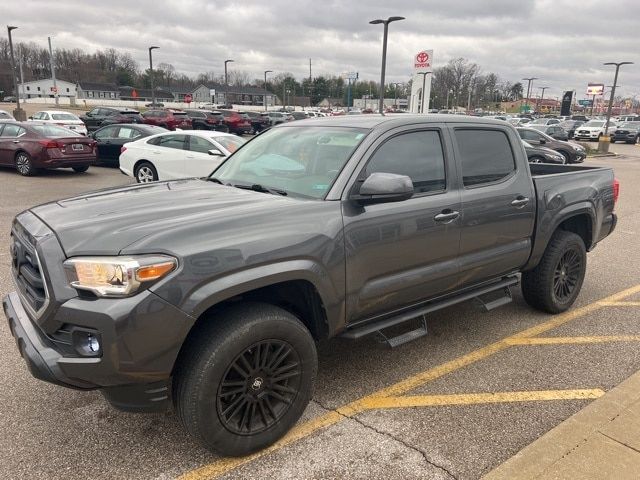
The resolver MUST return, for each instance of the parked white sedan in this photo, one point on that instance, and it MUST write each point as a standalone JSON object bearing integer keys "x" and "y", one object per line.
{"x": 61, "y": 118}
{"x": 179, "y": 154}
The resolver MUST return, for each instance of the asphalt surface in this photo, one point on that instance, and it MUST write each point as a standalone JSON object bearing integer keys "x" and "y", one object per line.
{"x": 437, "y": 424}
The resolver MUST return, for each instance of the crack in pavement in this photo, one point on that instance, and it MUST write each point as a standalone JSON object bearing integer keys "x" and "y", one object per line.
{"x": 392, "y": 437}
{"x": 619, "y": 442}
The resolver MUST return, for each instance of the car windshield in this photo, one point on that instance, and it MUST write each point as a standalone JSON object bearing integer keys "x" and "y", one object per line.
{"x": 630, "y": 125}
{"x": 53, "y": 131}
{"x": 301, "y": 161}
{"x": 64, "y": 116}
{"x": 542, "y": 128}
{"x": 594, "y": 123}
{"x": 129, "y": 113}
{"x": 527, "y": 144}
{"x": 230, "y": 142}
{"x": 539, "y": 121}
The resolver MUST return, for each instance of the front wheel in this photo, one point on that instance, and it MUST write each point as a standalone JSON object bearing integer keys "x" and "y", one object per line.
{"x": 246, "y": 377}
{"x": 24, "y": 164}
{"x": 555, "y": 283}
{"x": 145, "y": 173}
{"x": 536, "y": 160}
{"x": 565, "y": 156}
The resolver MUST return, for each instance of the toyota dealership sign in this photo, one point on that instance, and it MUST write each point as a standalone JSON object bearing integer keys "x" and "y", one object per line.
{"x": 422, "y": 61}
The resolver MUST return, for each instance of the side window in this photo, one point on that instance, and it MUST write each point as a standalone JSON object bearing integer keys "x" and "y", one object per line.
{"x": 171, "y": 141}
{"x": 37, "y": 115}
{"x": 199, "y": 144}
{"x": 486, "y": 155}
{"x": 45, "y": 116}
{"x": 128, "y": 132}
{"x": 95, "y": 111}
{"x": 529, "y": 136}
{"x": 12, "y": 130}
{"x": 108, "y": 132}
{"x": 418, "y": 155}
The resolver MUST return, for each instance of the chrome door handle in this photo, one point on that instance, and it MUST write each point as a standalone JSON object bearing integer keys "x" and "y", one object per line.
{"x": 446, "y": 217}
{"x": 520, "y": 202}
{"x": 16, "y": 141}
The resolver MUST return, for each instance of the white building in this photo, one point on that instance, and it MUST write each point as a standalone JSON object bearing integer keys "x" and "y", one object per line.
{"x": 44, "y": 88}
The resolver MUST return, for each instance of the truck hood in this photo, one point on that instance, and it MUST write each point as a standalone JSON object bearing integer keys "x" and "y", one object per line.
{"x": 107, "y": 221}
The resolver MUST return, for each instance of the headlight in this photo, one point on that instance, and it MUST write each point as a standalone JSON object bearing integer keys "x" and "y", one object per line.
{"x": 117, "y": 276}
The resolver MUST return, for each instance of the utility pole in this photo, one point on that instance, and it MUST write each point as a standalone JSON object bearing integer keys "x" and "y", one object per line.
{"x": 384, "y": 56}
{"x": 530, "y": 81}
{"x": 541, "y": 96}
{"x": 310, "y": 86}
{"x": 613, "y": 92}
{"x": 18, "y": 113}
{"x": 20, "y": 65}
{"x": 265, "y": 88}
{"x": 153, "y": 91}
{"x": 53, "y": 73}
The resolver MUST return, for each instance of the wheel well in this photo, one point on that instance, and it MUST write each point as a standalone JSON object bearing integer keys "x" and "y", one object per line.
{"x": 139, "y": 162}
{"x": 15, "y": 155}
{"x": 580, "y": 225}
{"x": 299, "y": 297}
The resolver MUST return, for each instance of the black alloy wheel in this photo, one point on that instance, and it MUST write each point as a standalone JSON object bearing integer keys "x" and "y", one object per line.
{"x": 259, "y": 387}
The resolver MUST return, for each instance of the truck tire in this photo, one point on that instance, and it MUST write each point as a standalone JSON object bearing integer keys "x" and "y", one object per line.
{"x": 245, "y": 378}
{"x": 555, "y": 283}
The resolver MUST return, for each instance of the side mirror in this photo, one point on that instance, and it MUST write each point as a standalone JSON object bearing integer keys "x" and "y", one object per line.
{"x": 30, "y": 118}
{"x": 215, "y": 152}
{"x": 382, "y": 187}
{"x": 543, "y": 141}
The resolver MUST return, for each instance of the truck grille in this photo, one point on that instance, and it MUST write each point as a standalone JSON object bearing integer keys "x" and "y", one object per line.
{"x": 27, "y": 272}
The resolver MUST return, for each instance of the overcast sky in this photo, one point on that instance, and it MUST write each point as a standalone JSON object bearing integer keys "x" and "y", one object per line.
{"x": 563, "y": 42}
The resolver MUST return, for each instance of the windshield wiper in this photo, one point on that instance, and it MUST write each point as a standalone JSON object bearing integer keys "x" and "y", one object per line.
{"x": 256, "y": 187}
{"x": 214, "y": 179}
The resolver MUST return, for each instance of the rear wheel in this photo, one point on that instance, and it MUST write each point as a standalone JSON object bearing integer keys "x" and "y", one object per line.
{"x": 536, "y": 159}
{"x": 245, "y": 378}
{"x": 24, "y": 164}
{"x": 145, "y": 173}
{"x": 82, "y": 169}
{"x": 566, "y": 157}
{"x": 555, "y": 283}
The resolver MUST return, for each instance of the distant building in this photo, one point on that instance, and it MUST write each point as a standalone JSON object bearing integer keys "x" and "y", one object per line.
{"x": 107, "y": 91}
{"x": 144, "y": 94}
{"x": 44, "y": 89}
{"x": 240, "y": 95}
{"x": 330, "y": 102}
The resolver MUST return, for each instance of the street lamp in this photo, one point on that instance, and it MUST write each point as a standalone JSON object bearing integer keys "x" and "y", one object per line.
{"x": 424, "y": 76}
{"x": 448, "y": 93}
{"x": 153, "y": 91}
{"x": 265, "y": 88}
{"x": 541, "y": 95}
{"x": 18, "y": 113}
{"x": 226, "y": 80}
{"x": 613, "y": 92}
{"x": 395, "y": 94}
{"x": 530, "y": 80}
{"x": 384, "y": 55}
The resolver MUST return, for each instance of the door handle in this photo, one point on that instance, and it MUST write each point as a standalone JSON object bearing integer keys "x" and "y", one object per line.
{"x": 447, "y": 216}
{"x": 16, "y": 141}
{"x": 156, "y": 152}
{"x": 520, "y": 202}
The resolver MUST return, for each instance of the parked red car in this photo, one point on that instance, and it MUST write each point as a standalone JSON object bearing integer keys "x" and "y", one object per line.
{"x": 29, "y": 147}
{"x": 168, "y": 118}
{"x": 236, "y": 122}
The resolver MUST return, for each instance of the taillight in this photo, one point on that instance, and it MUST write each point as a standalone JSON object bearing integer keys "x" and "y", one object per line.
{"x": 50, "y": 144}
{"x": 123, "y": 149}
{"x": 616, "y": 190}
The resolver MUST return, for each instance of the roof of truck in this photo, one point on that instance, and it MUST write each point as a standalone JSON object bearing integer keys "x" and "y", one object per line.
{"x": 374, "y": 120}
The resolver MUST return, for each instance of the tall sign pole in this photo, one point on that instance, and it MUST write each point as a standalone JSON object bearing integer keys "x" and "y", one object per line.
{"x": 53, "y": 73}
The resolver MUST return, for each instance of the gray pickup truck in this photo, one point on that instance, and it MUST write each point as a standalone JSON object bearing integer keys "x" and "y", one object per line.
{"x": 210, "y": 294}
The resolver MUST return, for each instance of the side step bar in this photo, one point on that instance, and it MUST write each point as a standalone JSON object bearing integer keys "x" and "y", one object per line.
{"x": 358, "y": 332}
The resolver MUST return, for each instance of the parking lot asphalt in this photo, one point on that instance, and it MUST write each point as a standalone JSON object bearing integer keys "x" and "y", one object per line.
{"x": 454, "y": 404}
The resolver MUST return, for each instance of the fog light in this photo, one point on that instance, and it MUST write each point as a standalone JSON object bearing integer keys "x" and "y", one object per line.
{"x": 86, "y": 343}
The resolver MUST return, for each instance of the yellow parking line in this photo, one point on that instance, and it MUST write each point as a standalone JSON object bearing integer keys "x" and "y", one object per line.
{"x": 620, "y": 304}
{"x": 572, "y": 340}
{"x": 478, "y": 398}
{"x": 225, "y": 465}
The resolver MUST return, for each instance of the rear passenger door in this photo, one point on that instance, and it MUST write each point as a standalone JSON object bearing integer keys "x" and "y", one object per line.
{"x": 401, "y": 253}
{"x": 498, "y": 202}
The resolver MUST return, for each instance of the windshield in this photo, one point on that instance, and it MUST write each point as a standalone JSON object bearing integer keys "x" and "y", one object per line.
{"x": 539, "y": 121}
{"x": 64, "y": 116}
{"x": 594, "y": 123}
{"x": 301, "y": 161}
{"x": 542, "y": 128}
{"x": 52, "y": 131}
{"x": 630, "y": 125}
{"x": 527, "y": 144}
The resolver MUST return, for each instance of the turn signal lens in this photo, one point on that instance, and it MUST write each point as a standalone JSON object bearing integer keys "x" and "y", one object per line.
{"x": 154, "y": 272}
{"x": 616, "y": 190}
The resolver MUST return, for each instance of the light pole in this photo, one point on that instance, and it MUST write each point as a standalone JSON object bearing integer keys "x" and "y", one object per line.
{"x": 265, "y": 88}
{"x": 448, "y": 93}
{"x": 541, "y": 95}
{"x": 384, "y": 55}
{"x": 53, "y": 72}
{"x": 18, "y": 113}
{"x": 226, "y": 80}
{"x": 424, "y": 77}
{"x": 530, "y": 80}
{"x": 613, "y": 92}
{"x": 153, "y": 91}
{"x": 395, "y": 94}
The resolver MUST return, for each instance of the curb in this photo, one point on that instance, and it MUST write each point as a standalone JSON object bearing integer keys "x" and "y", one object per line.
{"x": 594, "y": 443}
{"x": 598, "y": 155}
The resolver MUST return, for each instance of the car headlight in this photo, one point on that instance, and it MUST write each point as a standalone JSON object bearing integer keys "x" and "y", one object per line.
{"x": 117, "y": 276}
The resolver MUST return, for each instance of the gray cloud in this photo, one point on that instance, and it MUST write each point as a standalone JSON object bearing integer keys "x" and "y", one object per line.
{"x": 563, "y": 42}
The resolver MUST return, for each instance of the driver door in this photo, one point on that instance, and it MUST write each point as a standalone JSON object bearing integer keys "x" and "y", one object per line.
{"x": 401, "y": 253}
{"x": 199, "y": 162}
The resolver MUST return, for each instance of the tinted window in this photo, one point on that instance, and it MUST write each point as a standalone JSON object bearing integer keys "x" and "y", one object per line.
{"x": 199, "y": 144}
{"x": 169, "y": 141}
{"x": 95, "y": 111}
{"x": 53, "y": 131}
{"x": 417, "y": 154}
{"x": 5, "y": 115}
{"x": 486, "y": 155}
{"x": 109, "y": 132}
{"x": 12, "y": 130}
{"x": 63, "y": 116}
{"x": 529, "y": 135}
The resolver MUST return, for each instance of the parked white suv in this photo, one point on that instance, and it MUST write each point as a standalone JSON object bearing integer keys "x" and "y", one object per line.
{"x": 592, "y": 130}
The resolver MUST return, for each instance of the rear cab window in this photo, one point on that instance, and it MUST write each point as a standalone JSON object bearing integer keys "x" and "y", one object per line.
{"x": 486, "y": 155}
